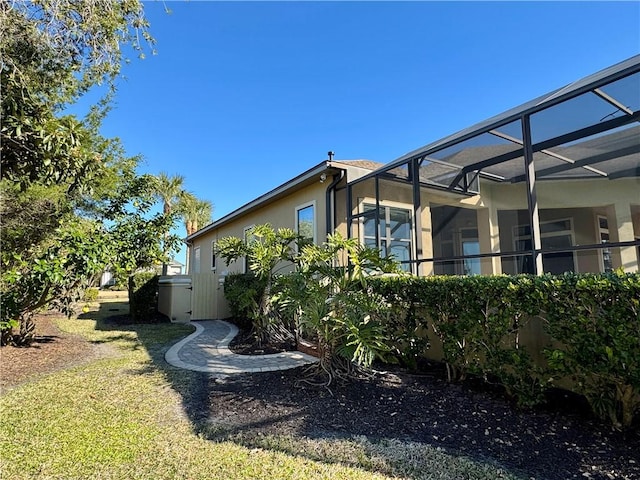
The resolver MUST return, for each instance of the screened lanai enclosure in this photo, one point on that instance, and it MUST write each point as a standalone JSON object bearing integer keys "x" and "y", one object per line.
{"x": 552, "y": 186}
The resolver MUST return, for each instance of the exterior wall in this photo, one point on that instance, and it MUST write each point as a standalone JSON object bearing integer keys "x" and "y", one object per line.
{"x": 581, "y": 200}
{"x": 279, "y": 213}
{"x": 494, "y": 212}
{"x": 499, "y": 207}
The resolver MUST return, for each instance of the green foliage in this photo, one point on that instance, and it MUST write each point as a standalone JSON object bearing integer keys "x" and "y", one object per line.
{"x": 71, "y": 201}
{"x": 267, "y": 250}
{"x": 592, "y": 321}
{"x": 56, "y": 277}
{"x": 595, "y": 320}
{"x": 90, "y": 294}
{"x": 143, "y": 297}
{"x": 243, "y": 292}
{"x": 478, "y": 320}
{"x": 330, "y": 299}
{"x": 195, "y": 213}
{"x": 53, "y": 52}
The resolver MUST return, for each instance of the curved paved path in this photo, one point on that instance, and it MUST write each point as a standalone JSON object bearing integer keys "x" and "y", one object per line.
{"x": 207, "y": 350}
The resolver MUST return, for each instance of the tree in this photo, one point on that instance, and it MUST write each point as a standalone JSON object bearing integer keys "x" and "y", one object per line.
{"x": 169, "y": 190}
{"x": 71, "y": 200}
{"x": 195, "y": 213}
{"x": 53, "y": 52}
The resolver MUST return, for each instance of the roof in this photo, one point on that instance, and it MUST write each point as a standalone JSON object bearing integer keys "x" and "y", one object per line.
{"x": 367, "y": 164}
{"x": 627, "y": 69}
{"x": 285, "y": 189}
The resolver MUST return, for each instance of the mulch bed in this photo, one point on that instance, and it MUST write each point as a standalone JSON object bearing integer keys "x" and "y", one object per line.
{"x": 51, "y": 350}
{"x": 244, "y": 344}
{"x": 560, "y": 441}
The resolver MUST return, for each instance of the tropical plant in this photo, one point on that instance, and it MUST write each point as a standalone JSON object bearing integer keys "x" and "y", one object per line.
{"x": 169, "y": 190}
{"x": 329, "y": 297}
{"x": 195, "y": 213}
{"x": 267, "y": 251}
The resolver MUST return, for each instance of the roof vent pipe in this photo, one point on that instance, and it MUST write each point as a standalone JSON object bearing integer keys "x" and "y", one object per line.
{"x": 331, "y": 154}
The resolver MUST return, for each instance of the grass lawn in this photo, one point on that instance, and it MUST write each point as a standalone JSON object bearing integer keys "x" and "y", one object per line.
{"x": 125, "y": 416}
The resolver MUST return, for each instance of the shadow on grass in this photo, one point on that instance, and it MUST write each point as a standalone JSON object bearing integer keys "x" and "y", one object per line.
{"x": 155, "y": 338}
{"x": 267, "y": 410}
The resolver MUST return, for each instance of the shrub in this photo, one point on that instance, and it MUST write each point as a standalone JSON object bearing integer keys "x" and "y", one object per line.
{"x": 596, "y": 320}
{"x": 592, "y": 322}
{"x": 243, "y": 292}
{"x": 267, "y": 251}
{"x": 143, "y": 297}
{"x": 478, "y": 321}
{"x": 406, "y": 327}
{"x": 329, "y": 297}
{"x": 90, "y": 294}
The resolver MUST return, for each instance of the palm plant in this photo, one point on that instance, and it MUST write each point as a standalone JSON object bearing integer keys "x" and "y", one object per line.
{"x": 268, "y": 251}
{"x": 329, "y": 297}
{"x": 168, "y": 190}
{"x": 195, "y": 213}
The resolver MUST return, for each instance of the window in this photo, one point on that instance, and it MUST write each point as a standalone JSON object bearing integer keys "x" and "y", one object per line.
{"x": 196, "y": 260}
{"x": 603, "y": 235}
{"x": 459, "y": 241}
{"x": 248, "y": 238}
{"x": 213, "y": 257}
{"x": 555, "y": 234}
{"x": 394, "y": 232}
{"x": 470, "y": 246}
{"x": 306, "y": 222}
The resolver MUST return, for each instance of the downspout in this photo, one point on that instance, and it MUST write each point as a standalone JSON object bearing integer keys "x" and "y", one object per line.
{"x": 188, "y": 258}
{"x": 331, "y": 212}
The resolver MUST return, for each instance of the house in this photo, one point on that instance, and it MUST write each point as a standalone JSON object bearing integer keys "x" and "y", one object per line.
{"x": 550, "y": 186}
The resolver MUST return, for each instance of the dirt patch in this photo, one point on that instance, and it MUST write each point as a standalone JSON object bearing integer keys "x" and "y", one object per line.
{"x": 540, "y": 444}
{"x": 51, "y": 350}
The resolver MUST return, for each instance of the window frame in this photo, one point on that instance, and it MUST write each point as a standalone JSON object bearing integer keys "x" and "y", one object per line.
{"x": 213, "y": 256}
{"x": 196, "y": 259}
{"x": 387, "y": 205}
{"x": 600, "y": 231}
{"x": 296, "y": 218}
{"x": 571, "y": 232}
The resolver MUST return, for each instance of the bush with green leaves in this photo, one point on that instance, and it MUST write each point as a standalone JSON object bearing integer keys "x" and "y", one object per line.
{"x": 268, "y": 252}
{"x": 592, "y": 322}
{"x": 595, "y": 320}
{"x": 478, "y": 320}
{"x": 243, "y": 292}
{"x": 143, "y": 297}
{"x": 90, "y": 295}
{"x": 329, "y": 298}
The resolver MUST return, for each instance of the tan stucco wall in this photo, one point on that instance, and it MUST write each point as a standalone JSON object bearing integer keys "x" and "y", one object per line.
{"x": 581, "y": 200}
{"x": 280, "y": 214}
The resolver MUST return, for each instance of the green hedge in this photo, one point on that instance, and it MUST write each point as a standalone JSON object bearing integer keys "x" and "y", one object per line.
{"x": 590, "y": 326}
{"x": 243, "y": 292}
{"x": 143, "y": 297}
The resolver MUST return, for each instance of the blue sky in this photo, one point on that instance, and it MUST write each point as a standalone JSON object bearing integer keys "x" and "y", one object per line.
{"x": 243, "y": 96}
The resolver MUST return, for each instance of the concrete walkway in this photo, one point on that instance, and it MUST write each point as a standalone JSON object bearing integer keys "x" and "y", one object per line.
{"x": 207, "y": 350}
